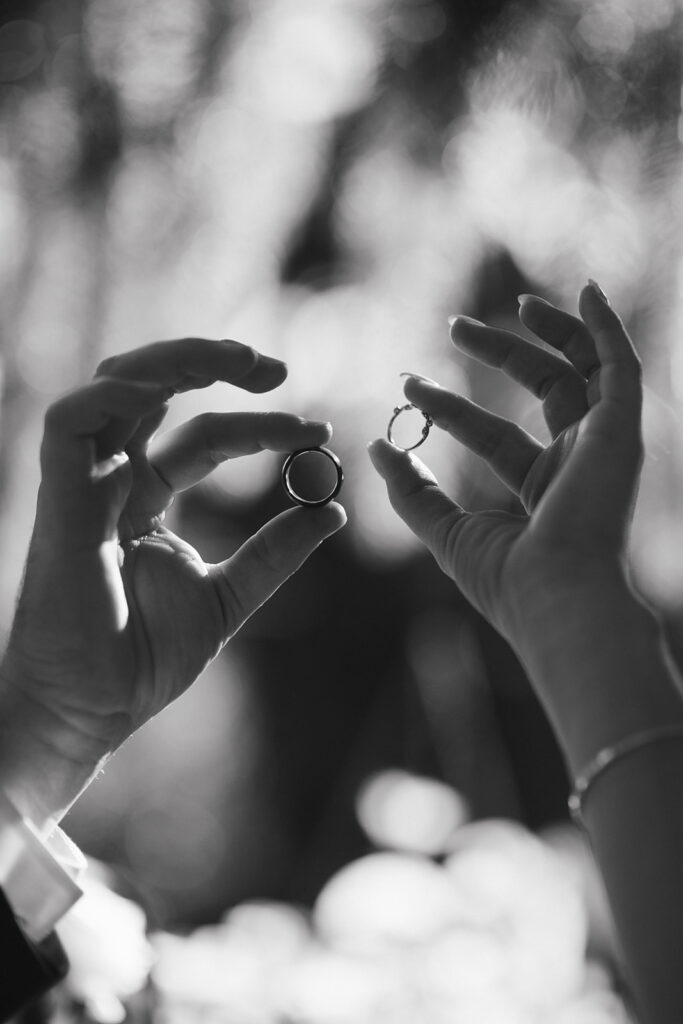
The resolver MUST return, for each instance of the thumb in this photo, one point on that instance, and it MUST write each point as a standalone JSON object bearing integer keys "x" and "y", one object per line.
{"x": 249, "y": 577}
{"x": 416, "y": 497}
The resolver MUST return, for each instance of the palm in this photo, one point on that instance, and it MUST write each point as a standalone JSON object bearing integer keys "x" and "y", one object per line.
{"x": 494, "y": 549}
{"x": 118, "y": 615}
{"x": 137, "y": 616}
{"x": 176, "y": 624}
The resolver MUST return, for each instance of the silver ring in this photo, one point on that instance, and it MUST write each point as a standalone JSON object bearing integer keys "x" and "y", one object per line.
{"x": 308, "y": 502}
{"x": 429, "y": 423}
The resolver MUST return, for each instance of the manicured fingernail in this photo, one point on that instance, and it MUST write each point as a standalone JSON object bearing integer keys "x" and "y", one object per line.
{"x": 420, "y": 377}
{"x": 598, "y": 291}
{"x": 373, "y": 448}
{"x": 455, "y": 321}
{"x": 271, "y": 361}
{"x": 321, "y": 424}
{"x": 380, "y": 444}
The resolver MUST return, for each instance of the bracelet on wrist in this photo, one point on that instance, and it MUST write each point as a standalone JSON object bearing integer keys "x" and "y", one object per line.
{"x": 609, "y": 755}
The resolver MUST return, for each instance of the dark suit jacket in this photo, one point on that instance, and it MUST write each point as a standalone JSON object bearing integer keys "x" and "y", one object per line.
{"x": 27, "y": 970}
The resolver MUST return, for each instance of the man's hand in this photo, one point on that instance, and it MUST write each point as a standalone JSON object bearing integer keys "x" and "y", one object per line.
{"x": 117, "y": 615}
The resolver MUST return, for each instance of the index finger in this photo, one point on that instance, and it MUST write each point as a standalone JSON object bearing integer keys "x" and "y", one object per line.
{"x": 187, "y": 454}
{"x": 189, "y": 363}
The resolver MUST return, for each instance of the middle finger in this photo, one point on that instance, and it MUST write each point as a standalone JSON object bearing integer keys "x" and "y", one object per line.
{"x": 189, "y": 363}
{"x": 560, "y": 387}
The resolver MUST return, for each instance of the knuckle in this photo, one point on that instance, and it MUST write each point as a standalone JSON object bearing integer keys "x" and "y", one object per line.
{"x": 205, "y": 430}
{"x": 246, "y": 354}
{"x": 265, "y": 554}
{"x": 545, "y": 383}
{"x": 511, "y": 360}
{"x": 576, "y": 339}
{"x": 206, "y": 423}
{"x": 107, "y": 367}
{"x": 448, "y": 535}
{"x": 489, "y": 445}
{"x": 232, "y": 607}
{"x": 54, "y": 414}
{"x": 273, "y": 420}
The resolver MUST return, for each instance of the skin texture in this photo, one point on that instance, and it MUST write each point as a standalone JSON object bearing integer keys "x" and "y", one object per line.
{"x": 554, "y": 582}
{"x": 117, "y": 615}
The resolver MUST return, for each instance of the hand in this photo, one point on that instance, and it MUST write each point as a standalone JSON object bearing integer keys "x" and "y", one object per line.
{"x": 578, "y": 492}
{"x": 117, "y": 615}
{"x": 552, "y": 581}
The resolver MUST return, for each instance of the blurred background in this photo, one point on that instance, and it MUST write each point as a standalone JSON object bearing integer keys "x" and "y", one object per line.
{"x": 328, "y": 180}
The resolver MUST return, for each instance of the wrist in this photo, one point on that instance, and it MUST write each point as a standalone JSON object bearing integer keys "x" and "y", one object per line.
{"x": 45, "y": 761}
{"x": 598, "y": 659}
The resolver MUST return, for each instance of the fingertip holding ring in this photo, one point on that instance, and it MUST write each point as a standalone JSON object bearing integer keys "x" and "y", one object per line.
{"x": 428, "y": 424}
{"x": 287, "y": 484}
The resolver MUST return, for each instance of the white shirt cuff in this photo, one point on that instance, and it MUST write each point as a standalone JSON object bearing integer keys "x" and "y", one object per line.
{"x": 37, "y": 874}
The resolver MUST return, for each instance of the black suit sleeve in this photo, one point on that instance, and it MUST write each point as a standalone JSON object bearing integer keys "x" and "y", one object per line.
{"x": 27, "y": 969}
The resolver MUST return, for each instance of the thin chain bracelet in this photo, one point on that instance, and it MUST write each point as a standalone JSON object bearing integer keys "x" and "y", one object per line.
{"x": 608, "y": 755}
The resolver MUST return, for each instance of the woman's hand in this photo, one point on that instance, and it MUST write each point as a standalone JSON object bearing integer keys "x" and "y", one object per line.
{"x": 117, "y": 615}
{"x": 578, "y": 492}
{"x": 553, "y": 580}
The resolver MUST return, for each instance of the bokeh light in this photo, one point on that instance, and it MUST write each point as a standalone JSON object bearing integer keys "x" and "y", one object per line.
{"x": 408, "y": 812}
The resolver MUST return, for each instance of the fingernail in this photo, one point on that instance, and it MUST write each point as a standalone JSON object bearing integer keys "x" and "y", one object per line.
{"x": 528, "y": 297}
{"x": 319, "y": 424}
{"x": 455, "y": 321}
{"x": 333, "y": 508}
{"x": 598, "y": 291}
{"x": 271, "y": 361}
{"x": 373, "y": 448}
{"x": 420, "y": 377}
{"x": 379, "y": 444}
